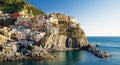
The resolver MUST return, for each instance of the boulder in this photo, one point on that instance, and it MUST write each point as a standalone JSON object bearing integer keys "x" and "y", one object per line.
{"x": 44, "y": 51}
{"x": 97, "y": 45}
{"x": 17, "y": 54}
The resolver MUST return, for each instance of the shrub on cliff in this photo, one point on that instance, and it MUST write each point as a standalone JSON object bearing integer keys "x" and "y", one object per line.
{"x": 63, "y": 26}
{"x": 7, "y": 22}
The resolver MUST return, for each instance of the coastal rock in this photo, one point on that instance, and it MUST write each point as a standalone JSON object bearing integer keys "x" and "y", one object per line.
{"x": 97, "y": 45}
{"x": 62, "y": 41}
{"x": 57, "y": 41}
{"x": 96, "y": 51}
{"x": 17, "y": 54}
{"x": 62, "y": 36}
{"x": 35, "y": 50}
{"x": 105, "y": 55}
{"x": 44, "y": 51}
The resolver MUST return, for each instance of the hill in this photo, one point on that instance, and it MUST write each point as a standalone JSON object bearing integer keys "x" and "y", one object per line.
{"x": 12, "y": 6}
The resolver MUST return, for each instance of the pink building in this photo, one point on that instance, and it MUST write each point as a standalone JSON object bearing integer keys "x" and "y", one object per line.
{"x": 15, "y": 15}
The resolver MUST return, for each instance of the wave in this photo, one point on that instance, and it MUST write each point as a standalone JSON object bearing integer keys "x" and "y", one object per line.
{"x": 115, "y": 54}
{"x": 118, "y": 53}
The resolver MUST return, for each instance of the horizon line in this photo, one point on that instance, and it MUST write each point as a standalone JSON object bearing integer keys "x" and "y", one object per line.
{"x": 102, "y": 36}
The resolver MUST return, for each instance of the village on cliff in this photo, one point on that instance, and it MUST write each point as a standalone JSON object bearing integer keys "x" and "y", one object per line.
{"x": 22, "y": 40}
{"x": 28, "y": 30}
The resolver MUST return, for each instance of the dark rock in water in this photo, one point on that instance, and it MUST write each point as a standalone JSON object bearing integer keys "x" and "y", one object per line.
{"x": 97, "y": 52}
{"x": 97, "y": 45}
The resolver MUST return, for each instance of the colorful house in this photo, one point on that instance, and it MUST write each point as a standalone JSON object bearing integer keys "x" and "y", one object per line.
{"x": 15, "y": 15}
{"x": 38, "y": 36}
{"x": 73, "y": 22}
{"x": 20, "y": 35}
{"x": 72, "y": 19}
{"x": 1, "y": 12}
{"x": 52, "y": 20}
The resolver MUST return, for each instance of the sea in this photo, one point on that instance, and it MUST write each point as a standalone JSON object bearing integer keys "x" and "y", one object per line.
{"x": 80, "y": 57}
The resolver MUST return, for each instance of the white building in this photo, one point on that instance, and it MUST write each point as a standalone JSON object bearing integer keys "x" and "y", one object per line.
{"x": 20, "y": 35}
{"x": 72, "y": 22}
{"x": 39, "y": 35}
{"x": 72, "y": 19}
{"x": 1, "y": 12}
{"x": 52, "y": 19}
{"x": 19, "y": 19}
{"x": 40, "y": 20}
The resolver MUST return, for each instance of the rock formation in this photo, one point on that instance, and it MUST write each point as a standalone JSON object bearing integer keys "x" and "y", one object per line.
{"x": 97, "y": 52}
{"x": 66, "y": 37}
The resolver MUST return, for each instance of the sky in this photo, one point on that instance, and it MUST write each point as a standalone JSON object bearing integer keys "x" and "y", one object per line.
{"x": 96, "y": 17}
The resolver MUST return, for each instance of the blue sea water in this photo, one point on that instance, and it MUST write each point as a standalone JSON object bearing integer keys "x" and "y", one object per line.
{"x": 108, "y": 44}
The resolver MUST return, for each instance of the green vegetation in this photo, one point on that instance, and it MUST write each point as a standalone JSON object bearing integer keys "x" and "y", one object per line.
{"x": 7, "y": 22}
{"x": 75, "y": 32}
{"x": 65, "y": 29}
{"x": 63, "y": 26}
{"x": 12, "y": 6}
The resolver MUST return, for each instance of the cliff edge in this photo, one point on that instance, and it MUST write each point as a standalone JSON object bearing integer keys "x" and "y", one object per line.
{"x": 65, "y": 34}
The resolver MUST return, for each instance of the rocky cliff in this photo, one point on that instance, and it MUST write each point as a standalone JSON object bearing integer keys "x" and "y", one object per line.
{"x": 60, "y": 36}
{"x": 64, "y": 36}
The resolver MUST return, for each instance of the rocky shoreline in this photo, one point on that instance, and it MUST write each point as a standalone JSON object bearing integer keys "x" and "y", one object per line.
{"x": 36, "y": 53}
{"x": 16, "y": 56}
{"x": 6, "y": 59}
{"x": 90, "y": 48}
{"x": 97, "y": 52}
